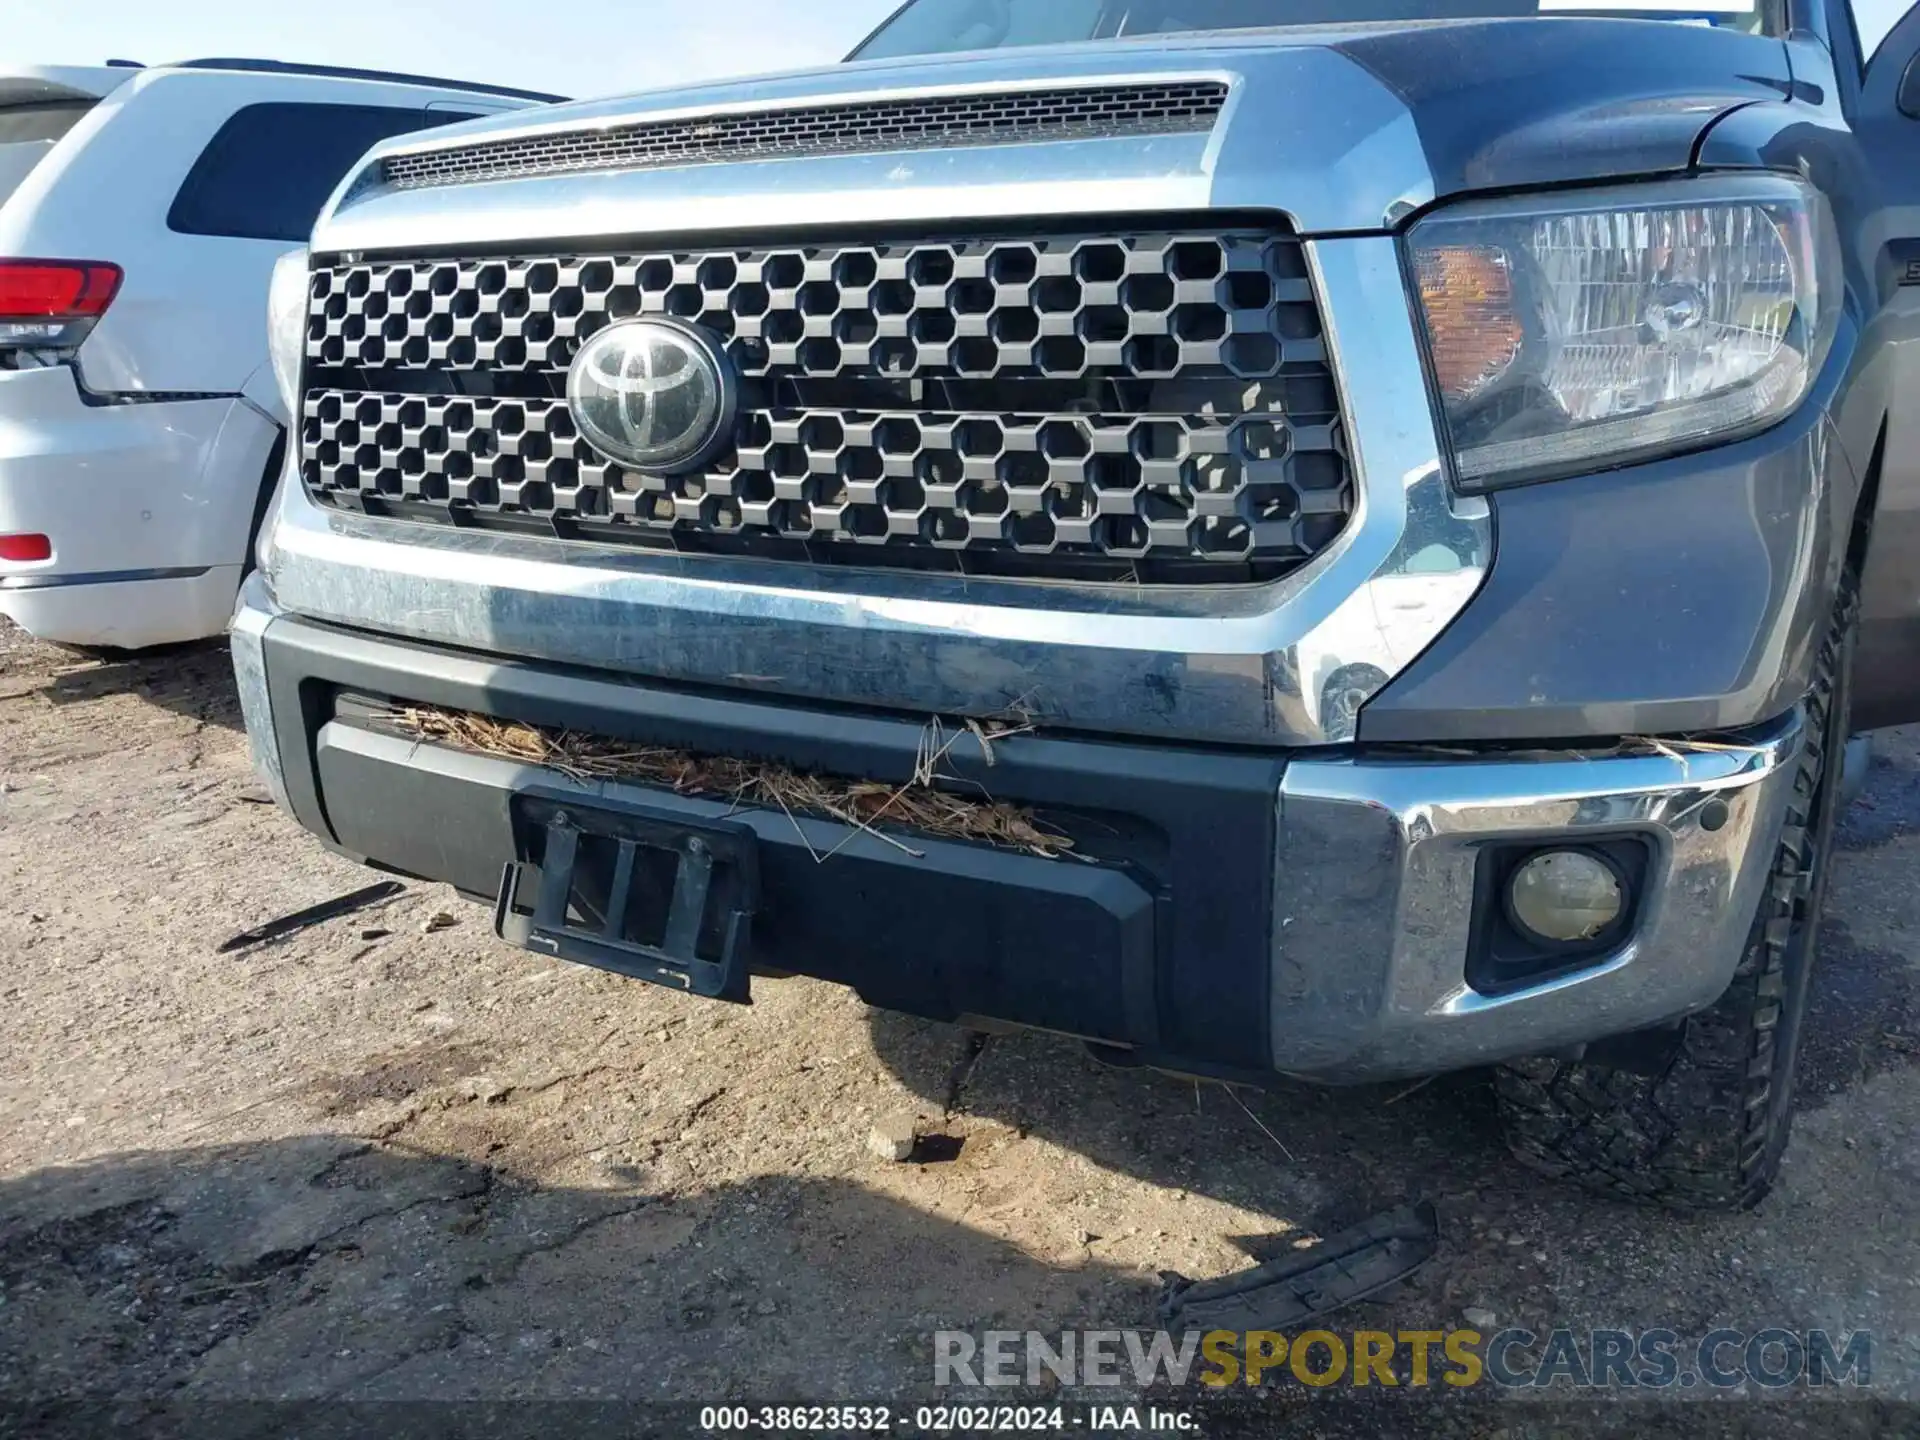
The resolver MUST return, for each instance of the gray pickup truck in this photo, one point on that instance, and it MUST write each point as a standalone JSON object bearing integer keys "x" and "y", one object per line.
{"x": 1340, "y": 539}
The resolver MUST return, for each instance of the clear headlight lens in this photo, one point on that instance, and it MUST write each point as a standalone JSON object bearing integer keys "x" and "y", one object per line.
{"x": 287, "y": 325}
{"x": 1575, "y": 331}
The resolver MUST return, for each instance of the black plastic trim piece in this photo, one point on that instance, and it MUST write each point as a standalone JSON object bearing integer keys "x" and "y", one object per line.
{"x": 1191, "y": 829}
{"x": 1305, "y": 1285}
{"x": 943, "y": 930}
{"x": 100, "y": 577}
{"x": 103, "y": 399}
{"x": 96, "y": 399}
{"x": 343, "y": 72}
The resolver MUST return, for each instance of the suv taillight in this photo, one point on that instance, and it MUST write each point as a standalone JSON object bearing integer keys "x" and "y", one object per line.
{"x": 52, "y": 304}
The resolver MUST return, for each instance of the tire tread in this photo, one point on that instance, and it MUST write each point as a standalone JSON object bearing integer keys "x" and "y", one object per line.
{"x": 1709, "y": 1130}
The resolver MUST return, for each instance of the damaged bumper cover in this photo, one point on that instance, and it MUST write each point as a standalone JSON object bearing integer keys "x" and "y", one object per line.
{"x": 1244, "y": 913}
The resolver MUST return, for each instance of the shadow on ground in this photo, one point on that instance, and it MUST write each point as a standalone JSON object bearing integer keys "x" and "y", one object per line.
{"x": 1889, "y": 810}
{"x": 324, "y": 1286}
{"x": 249, "y": 1289}
{"x": 322, "y": 1265}
{"x": 1330, "y": 1157}
{"x": 194, "y": 681}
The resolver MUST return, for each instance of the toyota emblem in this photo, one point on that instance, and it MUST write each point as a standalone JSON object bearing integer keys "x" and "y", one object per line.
{"x": 654, "y": 394}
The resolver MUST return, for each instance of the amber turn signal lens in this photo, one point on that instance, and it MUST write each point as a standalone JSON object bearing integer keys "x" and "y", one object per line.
{"x": 1467, "y": 292}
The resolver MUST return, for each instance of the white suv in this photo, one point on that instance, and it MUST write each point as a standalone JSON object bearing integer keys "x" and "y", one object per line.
{"x": 141, "y": 213}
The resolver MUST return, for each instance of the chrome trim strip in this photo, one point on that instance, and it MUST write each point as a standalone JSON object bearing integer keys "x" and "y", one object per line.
{"x": 1157, "y": 174}
{"x": 1280, "y": 664}
{"x": 1376, "y": 860}
{"x": 1439, "y": 546}
{"x": 253, "y": 612}
{"x": 99, "y": 577}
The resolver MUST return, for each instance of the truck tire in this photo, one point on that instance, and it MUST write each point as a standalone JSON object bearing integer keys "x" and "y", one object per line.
{"x": 1706, "y": 1129}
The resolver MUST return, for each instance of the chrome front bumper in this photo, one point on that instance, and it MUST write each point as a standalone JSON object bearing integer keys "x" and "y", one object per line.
{"x": 1372, "y": 868}
{"x": 1375, "y": 890}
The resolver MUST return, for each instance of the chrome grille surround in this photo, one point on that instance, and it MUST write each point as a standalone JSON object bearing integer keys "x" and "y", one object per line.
{"x": 1268, "y": 664}
{"x": 1145, "y": 397}
{"x": 1264, "y": 664}
{"x": 990, "y": 118}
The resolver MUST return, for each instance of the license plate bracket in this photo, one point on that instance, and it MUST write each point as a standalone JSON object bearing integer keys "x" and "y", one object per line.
{"x": 640, "y": 892}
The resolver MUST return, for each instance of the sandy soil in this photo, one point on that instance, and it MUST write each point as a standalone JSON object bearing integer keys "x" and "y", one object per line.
{"x": 376, "y": 1162}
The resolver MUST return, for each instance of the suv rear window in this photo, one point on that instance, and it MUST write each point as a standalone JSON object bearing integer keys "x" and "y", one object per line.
{"x": 28, "y": 132}
{"x": 271, "y": 167}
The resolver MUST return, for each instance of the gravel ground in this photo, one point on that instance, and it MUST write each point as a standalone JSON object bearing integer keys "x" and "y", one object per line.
{"x": 382, "y": 1161}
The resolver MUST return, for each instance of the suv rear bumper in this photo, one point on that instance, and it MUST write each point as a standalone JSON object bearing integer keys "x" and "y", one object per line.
{"x": 147, "y": 505}
{"x": 1253, "y": 911}
{"x": 129, "y": 610}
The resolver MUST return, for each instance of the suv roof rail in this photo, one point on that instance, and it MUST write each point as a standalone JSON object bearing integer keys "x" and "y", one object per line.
{"x": 342, "y": 72}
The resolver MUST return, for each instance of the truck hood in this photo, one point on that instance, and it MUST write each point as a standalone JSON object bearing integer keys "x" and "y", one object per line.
{"x": 1343, "y": 128}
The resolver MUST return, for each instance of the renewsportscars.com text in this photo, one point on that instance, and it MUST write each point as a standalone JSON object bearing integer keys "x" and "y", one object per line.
{"x": 1513, "y": 1358}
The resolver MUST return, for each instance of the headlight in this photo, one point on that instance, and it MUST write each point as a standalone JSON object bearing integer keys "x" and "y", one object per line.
{"x": 1574, "y": 331}
{"x": 287, "y": 326}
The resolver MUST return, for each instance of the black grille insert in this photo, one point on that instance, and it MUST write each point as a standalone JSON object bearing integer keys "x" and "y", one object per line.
{"x": 1163, "y": 107}
{"x": 1151, "y": 407}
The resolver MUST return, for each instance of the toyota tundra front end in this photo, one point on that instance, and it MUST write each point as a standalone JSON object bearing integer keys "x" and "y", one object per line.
{"x": 1277, "y": 551}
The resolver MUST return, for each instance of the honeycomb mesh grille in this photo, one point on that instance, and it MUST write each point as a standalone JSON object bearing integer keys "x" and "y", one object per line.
{"x": 1150, "y": 407}
{"x": 1168, "y": 107}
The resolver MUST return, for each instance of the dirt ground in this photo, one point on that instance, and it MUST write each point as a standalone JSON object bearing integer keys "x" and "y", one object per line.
{"x": 380, "y": 1161}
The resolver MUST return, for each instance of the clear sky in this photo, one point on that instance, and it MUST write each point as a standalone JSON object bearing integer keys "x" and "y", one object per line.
{"x": 570, "y": 47}
{"x": 1875, "y": 18}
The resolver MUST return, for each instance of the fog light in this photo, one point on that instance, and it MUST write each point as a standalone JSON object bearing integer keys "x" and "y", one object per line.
{"x": 1566, "y": 897}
